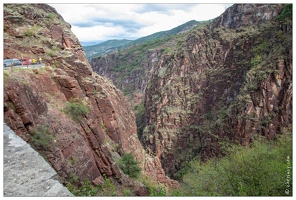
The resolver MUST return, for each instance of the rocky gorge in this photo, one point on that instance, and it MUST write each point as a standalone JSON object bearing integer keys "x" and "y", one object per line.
{"x": 166, "y": 101}
{"x": 226, "y": 80}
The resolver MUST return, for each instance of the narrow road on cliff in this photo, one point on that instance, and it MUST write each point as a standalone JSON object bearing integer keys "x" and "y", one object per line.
{"x": 25, "y": 172}
{"x": 27, "y": 66}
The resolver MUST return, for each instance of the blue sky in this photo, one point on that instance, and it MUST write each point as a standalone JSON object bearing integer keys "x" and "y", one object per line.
{"x": 101, "y": 22}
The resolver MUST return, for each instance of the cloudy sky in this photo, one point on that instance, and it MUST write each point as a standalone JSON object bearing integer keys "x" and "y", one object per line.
{"x": 101, "y": 22}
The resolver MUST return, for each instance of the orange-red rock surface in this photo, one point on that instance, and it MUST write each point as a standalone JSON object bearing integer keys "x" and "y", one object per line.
{"x": 38, "y": 97}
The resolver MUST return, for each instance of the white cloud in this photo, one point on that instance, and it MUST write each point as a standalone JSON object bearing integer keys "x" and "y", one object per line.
{"x": 96, "y": 32}
{"x": 208, "y": 11}
{"x": 199, "y": 12}
{"x": 92, "y": 22}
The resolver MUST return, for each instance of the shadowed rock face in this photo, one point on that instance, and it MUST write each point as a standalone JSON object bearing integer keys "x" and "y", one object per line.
{"x": 229, "y": 80}
{"x": 38, "y": 97}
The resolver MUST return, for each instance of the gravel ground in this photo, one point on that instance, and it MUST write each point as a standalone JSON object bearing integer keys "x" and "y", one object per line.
{"x": 25, "y": 172}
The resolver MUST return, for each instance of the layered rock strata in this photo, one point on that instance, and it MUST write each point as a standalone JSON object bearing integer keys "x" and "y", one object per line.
{"x": 35, "y": 98}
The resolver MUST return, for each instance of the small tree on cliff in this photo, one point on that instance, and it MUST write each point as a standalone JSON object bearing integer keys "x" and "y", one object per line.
{"x": 129, "y": 165}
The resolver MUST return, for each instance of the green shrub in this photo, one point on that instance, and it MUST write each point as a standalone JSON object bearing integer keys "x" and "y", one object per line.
{"x": 73, "y": 178}
{"x": 85, "y": 190}
{"x": 55, "y": 64}
{"x": 259, "y": 169}
{"x": 76, "y": 110}
{"x": 108, "y": 189}
{"x": 51, "y": 53}
{"x": 258, "y": 51}
{"x": 42, "y": 138}
{"x": 29, "y": 33}
{"x": 286, "y": 12}
{"x": 6, "y": 74}
{"x": 120, "y": 68}
{"x": 72, "y": 160}
{"x": 154, "y": 191}
{"x": 51, "y": 15}
{"x": 129, "y": 165}
{"x": 256, "y": 61}
{"x": 185, "y": 167}
{"x": 208, "y": 116}
{"x": 126, "y": 192}
{"x": 260, "y": 48}
{"x": 167, "y": 51}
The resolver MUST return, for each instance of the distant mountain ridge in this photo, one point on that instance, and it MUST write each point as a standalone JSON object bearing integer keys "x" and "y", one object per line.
{"x": 90, "y": 43}
{"x": 113, "y": 45}
{"x": 162, "y": 34}
{"x": 104, "y": 48}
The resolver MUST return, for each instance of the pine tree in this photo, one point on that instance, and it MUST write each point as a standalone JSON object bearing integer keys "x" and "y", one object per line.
{"x": 129, "y": 165}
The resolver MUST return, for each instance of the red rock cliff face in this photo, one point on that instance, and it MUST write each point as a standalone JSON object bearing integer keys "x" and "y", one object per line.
{"x": 134, "y": 82}
{"x": 38, "y": 97}
{"x": 230, "y": 80}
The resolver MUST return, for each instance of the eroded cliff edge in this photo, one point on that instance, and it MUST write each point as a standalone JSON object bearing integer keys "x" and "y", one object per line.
{"x": 36, "y": 98}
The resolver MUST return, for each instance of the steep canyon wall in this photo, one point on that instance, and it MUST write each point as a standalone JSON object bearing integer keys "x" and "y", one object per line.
{"x": 228, "y": 80}
{"x": 36, "y": 100}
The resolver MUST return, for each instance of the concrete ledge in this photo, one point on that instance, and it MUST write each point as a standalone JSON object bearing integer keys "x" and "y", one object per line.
{"x": 26, "y": 173}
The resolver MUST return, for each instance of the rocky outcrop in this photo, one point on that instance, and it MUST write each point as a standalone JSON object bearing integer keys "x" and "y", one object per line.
{"x": 36, "y": 100}
{"x": 240, "y": 15}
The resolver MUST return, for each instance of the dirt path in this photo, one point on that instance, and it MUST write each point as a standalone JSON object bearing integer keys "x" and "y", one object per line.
{"x": 26, "y": 173}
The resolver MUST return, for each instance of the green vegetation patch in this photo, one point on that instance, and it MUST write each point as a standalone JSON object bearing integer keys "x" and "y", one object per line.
{"x": 51, "y": 15}
{"x": 155, "y": 189}
{"x": 129, "y": 165}
{"x": 29, "y": 33}
{"x": 286, "y": 13}
{"x": 42, "y": 138}
{"x": 87, "y": 189}
{"x": 51, "y": 53}
{"x": 263, "y": 168}
{"x": 76, "y": 110}
{"x": 6, "y": 74}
